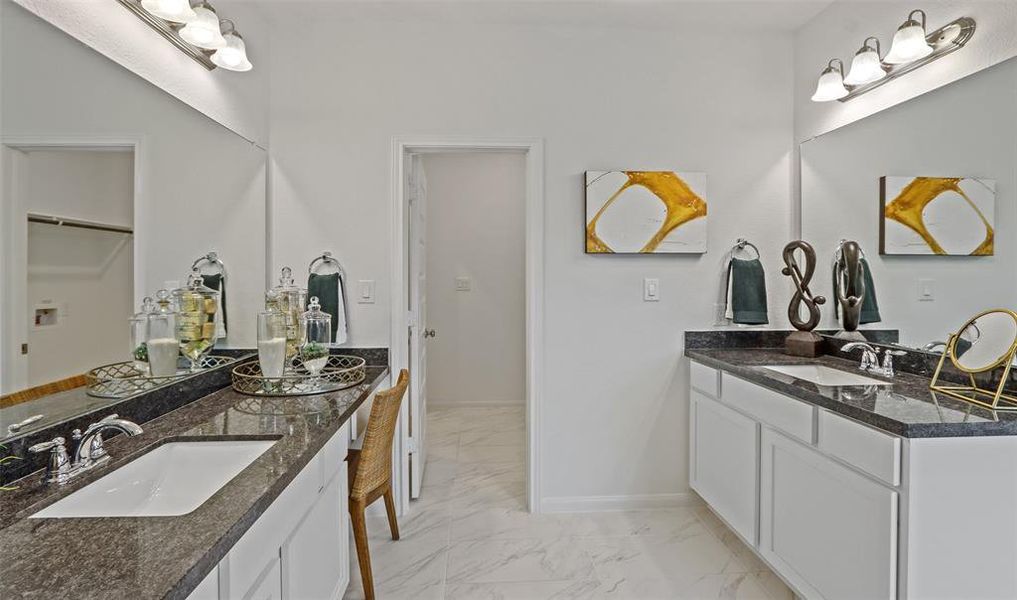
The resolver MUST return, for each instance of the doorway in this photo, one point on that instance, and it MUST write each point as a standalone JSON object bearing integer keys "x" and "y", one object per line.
{"x": 68, "y": 222}
{"x": 410, "y": 330}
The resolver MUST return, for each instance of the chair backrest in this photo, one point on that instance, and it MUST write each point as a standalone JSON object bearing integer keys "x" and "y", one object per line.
{"x": 375, "y": 465}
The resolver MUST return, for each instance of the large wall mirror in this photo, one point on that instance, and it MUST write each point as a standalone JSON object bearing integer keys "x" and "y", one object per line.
{"x": 112, "y": 189}
{"x": 928, "y": 190}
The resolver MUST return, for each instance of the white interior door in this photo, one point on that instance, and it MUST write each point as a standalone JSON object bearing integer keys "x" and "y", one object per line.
{"x": 418, "y": 331}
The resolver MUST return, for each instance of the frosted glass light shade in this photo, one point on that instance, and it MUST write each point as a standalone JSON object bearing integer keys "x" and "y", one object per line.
{"x": 203, "y": 31}
{"x": 830, "y": 86}
{"x": 234, "y": 56}
{"x": 865, "y": 68}
{"x": 174, "y": 11}
{"x": 909, "y": 44}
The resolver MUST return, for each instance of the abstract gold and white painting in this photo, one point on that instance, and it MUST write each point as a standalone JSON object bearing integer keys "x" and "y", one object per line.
{"x": 952, "y": 216}
{"x": 650, "y": 212}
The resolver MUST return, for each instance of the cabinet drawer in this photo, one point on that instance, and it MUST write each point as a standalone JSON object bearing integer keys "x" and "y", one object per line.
{"x": 705, "y": 379}
{"x": 333, "y": 454}
{"x": 872, "y": 451}
{"x": 787, "y": 414}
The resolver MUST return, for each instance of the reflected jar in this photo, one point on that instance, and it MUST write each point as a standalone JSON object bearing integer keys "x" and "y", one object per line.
{"x": 316, "y": 332}
{"x": 196, "y": 331}
{"x": 162, "y": 344}
{"x": 139, "y": 335}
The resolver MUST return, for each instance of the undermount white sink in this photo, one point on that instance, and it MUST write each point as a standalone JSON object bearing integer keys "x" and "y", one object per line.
{"x": 172, "y": 480}
{"x": 825, "y": 376}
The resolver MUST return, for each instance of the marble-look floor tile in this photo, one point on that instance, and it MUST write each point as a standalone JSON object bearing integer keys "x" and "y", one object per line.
{"x": 408, "y": 568}
{"x": 491, "y": 454}
{"x": 489, "y": 561}
{"x": 670, "y": 523}
{"x": 525, "y": 590}
{"x": 504, "y": 524}
{"x": 694, "y": 554}
{"x": 472, "y": 474}
{"x": 735, "y": 586}
{"x": 512, "y": 437}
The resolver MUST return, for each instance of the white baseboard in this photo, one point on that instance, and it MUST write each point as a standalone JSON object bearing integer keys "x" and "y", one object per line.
{"x": 615, "y": 503}
{"x": 438, "y": 403}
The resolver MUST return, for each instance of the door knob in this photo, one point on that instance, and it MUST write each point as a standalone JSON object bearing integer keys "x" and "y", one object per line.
{"x": 430, "y": 333}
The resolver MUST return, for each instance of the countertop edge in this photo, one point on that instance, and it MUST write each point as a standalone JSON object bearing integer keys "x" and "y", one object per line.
{"x": 881, "y": 422}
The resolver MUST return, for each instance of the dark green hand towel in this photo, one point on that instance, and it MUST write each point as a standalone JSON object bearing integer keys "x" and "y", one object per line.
{"x": 870, "y": 306}
{"x": 216, "y": 283}
{"x": 326, "y": 288}
{"x": 748, "y": 292}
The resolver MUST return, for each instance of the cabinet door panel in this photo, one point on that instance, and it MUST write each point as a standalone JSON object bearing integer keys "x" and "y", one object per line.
{"x": 830, "y": 531}
{"x": 268, "y": 586}
{"x": 315, "y": 555}
{"x": 724, "y": 463}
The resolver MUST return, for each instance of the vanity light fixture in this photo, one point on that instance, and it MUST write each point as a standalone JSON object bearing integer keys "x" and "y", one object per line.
{"x": 194, "y": 27}
{"x": 911, "y": 49}
{"x": 203, "y": 31}
{"x": 866, "y": 66}
{"x": 174, "y": 11}
{"x": 831, "y": 83}
{"x": 909, "y": 43}
{"x": 233, "y": 56}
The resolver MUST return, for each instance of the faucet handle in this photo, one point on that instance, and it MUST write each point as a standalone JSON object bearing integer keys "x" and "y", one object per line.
{"x": 59, "y": 468}
{"x": 54, "y": 445}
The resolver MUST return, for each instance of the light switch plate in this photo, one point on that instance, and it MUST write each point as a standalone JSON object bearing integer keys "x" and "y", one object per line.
{"x": 926, "y": 290}
{"x": 463, "y": 284}
{"x": 365, "y": 291}
{"x": 651, "y": 289}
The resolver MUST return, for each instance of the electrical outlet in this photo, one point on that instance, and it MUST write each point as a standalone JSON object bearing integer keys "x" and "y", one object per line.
{"x": 463, "y": 284}
{"x": 926, "y": 290}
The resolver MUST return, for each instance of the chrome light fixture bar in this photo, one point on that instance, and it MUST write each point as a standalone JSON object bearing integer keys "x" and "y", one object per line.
{"x": 169, "y": 32}
{"x": 948, "y": 38}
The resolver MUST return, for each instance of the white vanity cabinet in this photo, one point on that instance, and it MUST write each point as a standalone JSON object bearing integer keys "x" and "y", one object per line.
{"x": 829, "y": 530}
{"x": 842, "y": 510}
{"x": 298, "y": 549}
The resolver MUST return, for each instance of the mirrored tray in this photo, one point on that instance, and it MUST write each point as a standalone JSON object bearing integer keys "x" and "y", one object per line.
{"x": 122, "y": 379}
{"x": 340, "y": 372}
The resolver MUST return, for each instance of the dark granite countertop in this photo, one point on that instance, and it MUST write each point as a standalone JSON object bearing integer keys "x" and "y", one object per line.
{"x": 167, "y": 557}
{"x": 906, "y": 408}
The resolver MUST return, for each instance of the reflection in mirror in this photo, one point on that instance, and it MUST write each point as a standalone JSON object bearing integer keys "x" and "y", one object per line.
{"x": 928, "y": 191}
{"x": 985, "y": 341}
{"x": 112, "y": 190}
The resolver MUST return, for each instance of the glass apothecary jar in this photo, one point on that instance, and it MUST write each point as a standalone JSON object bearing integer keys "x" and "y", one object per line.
{"x": 316, "y": 332}
{"x": 290, "y": 300}
{"x": 139, "y": 335}
{"x": 162, "y": 345}
{"x": 272, "y": 343}
{"x": 196, "y": 332}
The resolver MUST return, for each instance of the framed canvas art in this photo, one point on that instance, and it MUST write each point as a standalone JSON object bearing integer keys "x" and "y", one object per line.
{"x": 645, "y": 212}
{"x": 948, "y": 216}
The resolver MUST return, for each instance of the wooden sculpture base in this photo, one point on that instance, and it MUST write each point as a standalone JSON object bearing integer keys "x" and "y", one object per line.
{"x": 804, "y": 343}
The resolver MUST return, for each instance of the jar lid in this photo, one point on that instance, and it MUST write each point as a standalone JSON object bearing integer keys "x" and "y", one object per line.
{"x": 314, "y": 312}
{"x": 147, "y": 308}
{"x": 164, "y": 302}
{"x": 196, "y": 285}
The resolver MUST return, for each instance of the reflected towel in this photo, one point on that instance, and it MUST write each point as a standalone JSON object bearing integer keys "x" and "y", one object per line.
{"x": 746, "y": 297}
{"x": 331, "y": 292}
{"x": 218, "y": 282}
{"x": 870, "y": 306}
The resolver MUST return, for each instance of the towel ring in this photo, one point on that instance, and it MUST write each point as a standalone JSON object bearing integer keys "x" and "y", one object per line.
{"x": 326, "y": 258}
{"x": 212, "y": 259}
{"x": 741, "y": 244}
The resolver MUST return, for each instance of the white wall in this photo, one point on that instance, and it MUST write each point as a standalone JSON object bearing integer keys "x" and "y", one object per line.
{"x": 86, "y": 275}
{"x": 200, "y": 186}
{"x": 476, "y": 228}
{"x": 838, "y": 32}
{"x": 237, "y": 100}
{"x": 965, "y": 129}
{"x": 614, "y": 413}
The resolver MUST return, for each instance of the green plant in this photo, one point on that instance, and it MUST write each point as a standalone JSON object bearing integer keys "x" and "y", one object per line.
{"x": 313, "y": 350}
{"x": 141, "y": 352}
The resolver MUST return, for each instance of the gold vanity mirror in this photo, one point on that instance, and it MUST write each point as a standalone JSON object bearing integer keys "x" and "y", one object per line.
{"x": 984, "y": 345}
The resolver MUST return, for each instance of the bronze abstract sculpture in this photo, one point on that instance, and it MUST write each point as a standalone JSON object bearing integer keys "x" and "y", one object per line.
{"x": 803, "y": 342}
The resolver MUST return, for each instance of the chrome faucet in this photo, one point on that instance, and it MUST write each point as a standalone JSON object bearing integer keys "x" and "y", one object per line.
{"x": 870, "y": 355}
{"x": 870, "y": 358}
{"x": 89, "y": 452}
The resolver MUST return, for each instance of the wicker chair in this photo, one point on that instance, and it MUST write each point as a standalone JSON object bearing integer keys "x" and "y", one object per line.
{"x": 370, "y": 472}
{"x": 45, "y": 389}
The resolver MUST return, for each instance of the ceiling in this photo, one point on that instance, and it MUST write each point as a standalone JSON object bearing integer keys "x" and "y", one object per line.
{"x": 769, "y": 15}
